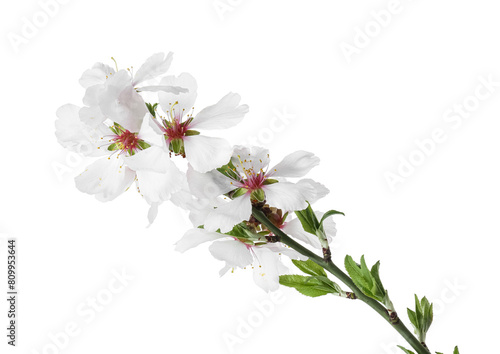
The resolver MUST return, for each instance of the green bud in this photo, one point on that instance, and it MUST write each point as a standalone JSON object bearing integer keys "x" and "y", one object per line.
{"x": 177, "y": 145}
{"x": 258, "y": 195}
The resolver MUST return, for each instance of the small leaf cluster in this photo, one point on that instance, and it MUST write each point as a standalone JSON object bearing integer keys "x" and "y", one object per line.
{"x": 314, "y": 285}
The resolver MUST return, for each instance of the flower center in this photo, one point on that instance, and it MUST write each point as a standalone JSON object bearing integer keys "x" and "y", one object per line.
{"x": 125, "y": 141}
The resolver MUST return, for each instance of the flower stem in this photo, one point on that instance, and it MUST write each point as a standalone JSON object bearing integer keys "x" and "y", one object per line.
{"x": 397, "y": 324}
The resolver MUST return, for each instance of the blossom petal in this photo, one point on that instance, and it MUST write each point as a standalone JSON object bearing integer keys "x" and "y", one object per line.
{"x": 294, "y": 229}
{"x": 208, "y": 185}
{"x": 312, "y": 190}
{"x": 296, "y": 164}
{"x": 233, "y": 252}
{"x": 206, "y": 153}
{"x": 75, "y": 135}
{"x": 96, "y": 75}
{"x": 229, "y": 214}
{"x": 158, "y": 187}
{"x": 195, "y": 237}
{"x": 224, "y": 114}
{"x": 250, "y": 159}
{"x": 153, "y": 159}
{"x": 121, "y": 103}
{"x": 285, "y": 196}
{"x": 266, "y": 274}
{"x": 106, "y": 178}
{"x": 154, "y": 66}
{"x": 185, "y": 100}
{"x": 92, "y": 116}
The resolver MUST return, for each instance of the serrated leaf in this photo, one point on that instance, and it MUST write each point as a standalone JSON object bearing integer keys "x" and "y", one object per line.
{"x": 422, "y": 317}
{"x": 363, "y": 278}
{"x": 305, "y": 285}
{"x": 312, "y": 286}
{"x": 309, "y": 267}
{"x": 405, "y": 350}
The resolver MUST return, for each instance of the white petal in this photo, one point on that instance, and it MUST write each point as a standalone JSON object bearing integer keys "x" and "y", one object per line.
{"x": 121, "y": 103}
{"x": 224, "y": 269}
{"x": 224, "y": 114}
{"x": 285, "y": 196}
{"x": 312, "y": 190}
{"x": 266, "y": 269}
{"x": 290, "y": 253}
{"x": 154, "y": 66}
{"x": 158, "y": 187}
{"x": 294, "y": 229}
{"x": 185, "y": 100}
{"x": 92, "y": 116}
{"x": 106, "y": 178}
{"x": 97, "y": 75}
{"x": 163, "y": 88}
{"x": 206, "y": 153}
{"x": 208, "y": 185}
{"x": 233, "y": 252}
{"x": 195, "y": 237}
{"x": 296, "y": 164}
{"x": 250, "y": 158}
{"x": 229, "y": 214}
{"x": 153, "y": 159}
{"x": 75, "y": 135}
{"x": 152, "y": 213}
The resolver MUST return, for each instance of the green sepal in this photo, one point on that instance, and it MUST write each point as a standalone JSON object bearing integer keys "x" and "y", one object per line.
{"x": 177, "y": 145}
{"x": 113, "y": 147}
{"x": 229, "y": 171}
{"x": 143, "y": 145}
{"x": 258, "y": 195}
{"x": 405, "y": 350}
{"x": 309, "y": 267}
{"x": 270, "y": 181}
{"x": 192, "y": 132}
{"x": 152, "y": 108}
{"x": 239, "y": 192}
{"x": 456, "y": 351}
{"x": 241, "y": 231}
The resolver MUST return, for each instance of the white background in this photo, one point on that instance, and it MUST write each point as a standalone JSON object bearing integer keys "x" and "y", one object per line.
{"x": 438, "y": 227}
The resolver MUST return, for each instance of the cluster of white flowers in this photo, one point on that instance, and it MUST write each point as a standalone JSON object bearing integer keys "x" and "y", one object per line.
{"x": 138, "y": 141}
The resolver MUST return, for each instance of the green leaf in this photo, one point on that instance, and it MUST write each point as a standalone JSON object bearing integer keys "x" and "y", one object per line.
{"x": 310, "y": 286}
{"x": 308, "y": 220}
{"x": 422, "y": 317}
{"x": 309, "y": 267}
{"x": 367, "y": 281}
{"x": 406, "y": 350}
{"x": 327, "y": 214}
{"x": 456, "y": 351}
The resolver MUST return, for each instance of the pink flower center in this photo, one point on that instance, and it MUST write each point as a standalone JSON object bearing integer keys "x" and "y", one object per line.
{"x": 127, "y": 141}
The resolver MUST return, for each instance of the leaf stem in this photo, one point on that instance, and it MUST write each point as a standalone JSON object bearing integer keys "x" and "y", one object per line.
{"x": 397, "y": 324}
